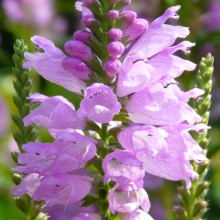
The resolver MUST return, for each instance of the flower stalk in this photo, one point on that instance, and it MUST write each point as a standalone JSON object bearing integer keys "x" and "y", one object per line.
{"x": 193, "y": 205}
{"x": 22, "y": 135}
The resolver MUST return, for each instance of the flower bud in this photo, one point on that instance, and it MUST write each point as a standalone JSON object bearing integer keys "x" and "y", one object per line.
{"x": 88, "y": 20}
{"x": 87, "y": 3}
{"x": 199, "y": 206}
{"x": 77, "y": 67}
{"x": 128, "y": 16}
{"x": 113, "y": 14}
{"x": 135, "y": 29}
{"x": 112, "y": 66}
{"x": 78, "y": 49}
{"x": 115, "y": 49}
{"x": 115, "y": 34}
{"x": 82, "y": 35}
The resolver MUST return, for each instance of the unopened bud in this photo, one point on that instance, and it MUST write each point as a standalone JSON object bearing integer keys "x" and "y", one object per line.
{"x": 112, "y": 66}
{"x": 135, "y": 29}
{"x": 88, "y": 20}
{"x": 77, "y": 67}
{"x": 115, "y": 49}
{"x": 115, "y": 34}
{"x": 202, "y": 188}
{"x": 82, "y": 35}
{"x": 199, "y": 207}
{"x": 128, "y": 16}
{"x": 113, "y": 14}
{"x": 78, "y": 49}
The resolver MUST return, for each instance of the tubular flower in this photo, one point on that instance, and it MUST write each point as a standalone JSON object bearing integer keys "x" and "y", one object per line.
{"x": 131, "y": 119}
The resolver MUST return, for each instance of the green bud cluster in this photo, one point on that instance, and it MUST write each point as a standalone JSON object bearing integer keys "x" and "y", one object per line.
{"x": 192, "y": 201}
{"x": 22, "y": 85}
{"x": 22, "y": 135}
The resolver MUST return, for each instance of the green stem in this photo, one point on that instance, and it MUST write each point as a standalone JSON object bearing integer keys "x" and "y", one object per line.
{"x": 192, "y": 201}
{"x": 22, "y": 135}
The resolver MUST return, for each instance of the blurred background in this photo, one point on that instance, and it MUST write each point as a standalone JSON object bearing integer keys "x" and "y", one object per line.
{"x": 57, "y": 20}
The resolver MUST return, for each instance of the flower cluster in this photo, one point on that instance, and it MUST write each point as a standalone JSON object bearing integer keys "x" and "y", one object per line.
{"x": 124, "y": 70}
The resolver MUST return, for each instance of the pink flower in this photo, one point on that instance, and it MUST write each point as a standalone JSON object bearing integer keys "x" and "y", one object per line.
{"x": 55, "y": 113}
{"x": 151, "y": 60}
{"x": 100, "y": 104}
{"x": 49, "y": 65}
{"x": 128, "y": 201}
{"x": 123, "y": 168}
{"x": 157, "y": 105}
{"x": 69, "y": 152}
{"x": 135, "y": 215}
{"x": 165, "y": 151}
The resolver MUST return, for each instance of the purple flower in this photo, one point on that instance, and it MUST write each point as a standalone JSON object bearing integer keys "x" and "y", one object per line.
{"x": 150, "y": 60}
{"x": 128, "y": 201}
{"x": 69, "y": 152}
{"x": 159, "y": 36}
{"x": 28, "y": 185}
{"x": 100, "y": 104}
{"x": 63, "y": 189}
{"x": 158, "y": 105}
{"x": 138, "y": 214}
{"x": 55, "y": 113}
{"x": 124, "y": 169}
{"x": 58, "y": 189}
{"x": 165, "y": 151}
{"x": 49, "y": 65}
{"x": 73, "y": 211}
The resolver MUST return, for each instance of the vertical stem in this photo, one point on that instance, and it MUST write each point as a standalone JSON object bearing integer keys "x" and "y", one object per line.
{"x": 192, "y": 202}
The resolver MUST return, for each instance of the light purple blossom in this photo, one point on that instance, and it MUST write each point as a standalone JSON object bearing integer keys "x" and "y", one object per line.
{"x": 69, "y": 152}
{"x": 49, "y": 65}
{"x": 55, "y": 113}
{"x": 124, "y": 169}
{"x": 138, "y": 214}
{"x": 165, "y": 151}
{"x": 73, "y": 211}
{"x": 59, "y": 189}
{"x": 128, "y": 201}
{"x": 156, "y": 41}
{"x": 150, "y": 60}
{"x": 28, "y": 185}
{"x": 63, "y": 189}
{"x": 158, "y": 105}
{"x": 100, "y": 104}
